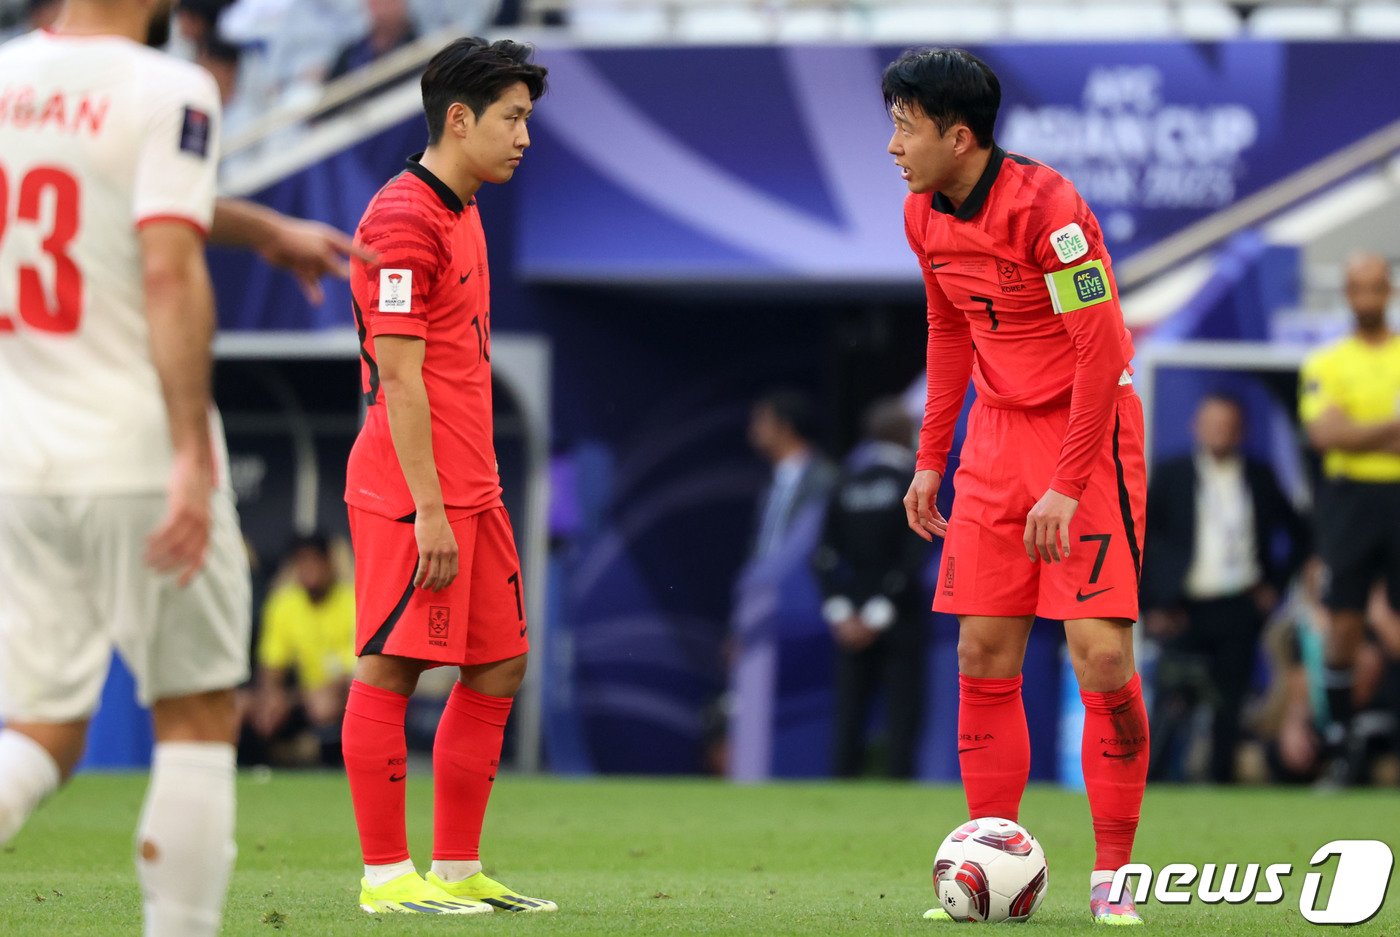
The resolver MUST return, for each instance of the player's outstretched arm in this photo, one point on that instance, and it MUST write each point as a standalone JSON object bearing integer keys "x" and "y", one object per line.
{"x": 400, "y": 359}
{"x": 180, "y": 314}
{"x": 308, "y": 250}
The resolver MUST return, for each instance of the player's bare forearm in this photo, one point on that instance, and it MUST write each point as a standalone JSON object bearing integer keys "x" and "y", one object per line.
{"x": 180, "y": 325}
{"x": 400, "y": 361}
{"x": 180, "y": 316}
{"x": 308, "y": 250}
{"x": 241, "y": 223}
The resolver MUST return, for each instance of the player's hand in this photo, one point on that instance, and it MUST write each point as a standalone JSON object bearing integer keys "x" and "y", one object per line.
{"x": 437, "y": 550}
{"x": 1047, "y": 527}
{"x": 180, "y": 541}
{"x": 921, "y": 506}
{"x": 310, "y": 250}
{"x": 854, "y": 634}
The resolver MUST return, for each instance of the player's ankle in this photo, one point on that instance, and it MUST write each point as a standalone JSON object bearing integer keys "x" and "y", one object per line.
{"x": 455, "y": 870}
{"x": 378, "y": 875}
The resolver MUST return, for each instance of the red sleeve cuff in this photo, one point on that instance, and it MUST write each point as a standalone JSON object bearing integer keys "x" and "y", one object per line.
{"x": 178, "y": 219}
{"x": 931, "y": 464}
{"x": 1068, "y": 489}
{"x": 393, "y": 324}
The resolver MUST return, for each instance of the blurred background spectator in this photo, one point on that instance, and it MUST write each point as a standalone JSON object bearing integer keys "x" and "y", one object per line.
{"x": 870, "y": 566}
{"x": 390, "y": 27}
{"x": 782, "y": 429}
{"x": 222, "y": 60}
{"x": 1210, "y": 579}
{"x": 305, "y": 658}
{"x": 1350, "y": 409}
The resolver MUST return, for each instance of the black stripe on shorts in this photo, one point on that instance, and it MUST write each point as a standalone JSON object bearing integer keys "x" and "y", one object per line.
{"x": 1125, "y": 504}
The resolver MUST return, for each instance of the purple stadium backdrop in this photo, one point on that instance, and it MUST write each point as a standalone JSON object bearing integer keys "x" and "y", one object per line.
{"x": 704, "y": 167}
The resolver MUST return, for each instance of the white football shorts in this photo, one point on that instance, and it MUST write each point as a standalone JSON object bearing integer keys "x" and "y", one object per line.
{"x": 74, "y": 585}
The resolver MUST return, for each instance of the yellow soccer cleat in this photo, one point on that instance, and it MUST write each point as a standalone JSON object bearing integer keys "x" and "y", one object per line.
{"x": 1121, "y": 913}
{"x": 409, "y": 894}
{"x": 938, "y": 914}
{"x": 480, "y": 888}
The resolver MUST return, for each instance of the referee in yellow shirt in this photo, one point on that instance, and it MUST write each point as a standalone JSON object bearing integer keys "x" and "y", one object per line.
{"x": 308, "y": 634}
{"x": 1349, "y": 404}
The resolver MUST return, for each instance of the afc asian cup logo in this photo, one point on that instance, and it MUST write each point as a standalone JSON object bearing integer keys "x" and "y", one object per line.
{"x": 396, "y": 291}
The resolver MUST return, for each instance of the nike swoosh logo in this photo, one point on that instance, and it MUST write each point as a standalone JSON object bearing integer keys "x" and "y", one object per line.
{"x": 1124, "y": 755}
{"x": 1081, "y": 597}
{"x": 934, "y": 266}
{"x": 522, "y": 632}
{"x": 975, "y": 748}
{"x": 395, "y": 778}
{"x": 462, "y": 280}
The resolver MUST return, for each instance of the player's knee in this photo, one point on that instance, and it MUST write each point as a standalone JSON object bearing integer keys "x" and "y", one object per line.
{"x": 198, "y": 717}
{"x": 1105, "y": 668}
{"x": 499, "y": 678}
{"x": 395, "y": 674}
{"x": 981, "y": 658}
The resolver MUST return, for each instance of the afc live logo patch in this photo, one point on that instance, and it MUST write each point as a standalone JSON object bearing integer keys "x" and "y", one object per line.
{"x": 439, "y": 617}
{"x": 1089, "y": 285}
{"x": 1069, "y": 242}
{"x": 395, "y": 290}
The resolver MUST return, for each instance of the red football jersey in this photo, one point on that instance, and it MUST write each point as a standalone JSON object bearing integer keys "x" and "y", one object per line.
{"x": 430, "y": 282}
{"x": 1021, "y": 298}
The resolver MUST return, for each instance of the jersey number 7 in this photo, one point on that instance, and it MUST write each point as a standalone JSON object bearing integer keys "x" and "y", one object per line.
{"x": 40, "y": 184}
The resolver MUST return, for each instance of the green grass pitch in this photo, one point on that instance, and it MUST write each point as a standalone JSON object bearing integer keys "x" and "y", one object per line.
{"x": 675, "y": 857}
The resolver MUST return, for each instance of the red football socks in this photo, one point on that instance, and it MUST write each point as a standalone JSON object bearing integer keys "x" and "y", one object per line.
{"x": 466, "y": 751}
{"x": 1115, "y": 757}
{"x": 376, "y": 753}
{"x": 994, "y": 747}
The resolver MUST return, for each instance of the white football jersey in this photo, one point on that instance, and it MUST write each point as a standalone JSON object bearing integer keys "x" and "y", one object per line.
{"x": 98, "y": 135}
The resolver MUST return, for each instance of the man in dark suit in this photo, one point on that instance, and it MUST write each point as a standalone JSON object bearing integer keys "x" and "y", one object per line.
{"x": 1210, "y": 578}
{"x": 782, "y": 425}
{"x": 869, "y": 564}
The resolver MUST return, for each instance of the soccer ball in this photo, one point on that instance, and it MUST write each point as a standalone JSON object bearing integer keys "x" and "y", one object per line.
{"x": 990, "y": 870}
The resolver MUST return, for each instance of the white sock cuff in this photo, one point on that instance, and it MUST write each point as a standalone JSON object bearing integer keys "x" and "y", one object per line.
{"x": 378, "y": 875}
{"x": 450, "y": 870}
{"x": 206, "y": 756}
{"x": 1101, "y": 877}
{"x": 31, "y": 758}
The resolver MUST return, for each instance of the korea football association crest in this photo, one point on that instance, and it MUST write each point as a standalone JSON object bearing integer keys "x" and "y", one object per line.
{"x": 395, "y": 290}
{"x": 1009, "y": 275}
{"x": 439, "y": 617}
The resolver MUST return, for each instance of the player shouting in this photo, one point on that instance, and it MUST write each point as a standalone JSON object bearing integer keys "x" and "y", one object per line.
{"x": 437, "y": 581}
{"x": 1050, "y": 494}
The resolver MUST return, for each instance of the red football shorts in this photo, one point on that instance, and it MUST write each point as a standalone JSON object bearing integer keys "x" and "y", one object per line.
{"x": 477, "y": 619}
{"x": 1008, "y": 459}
